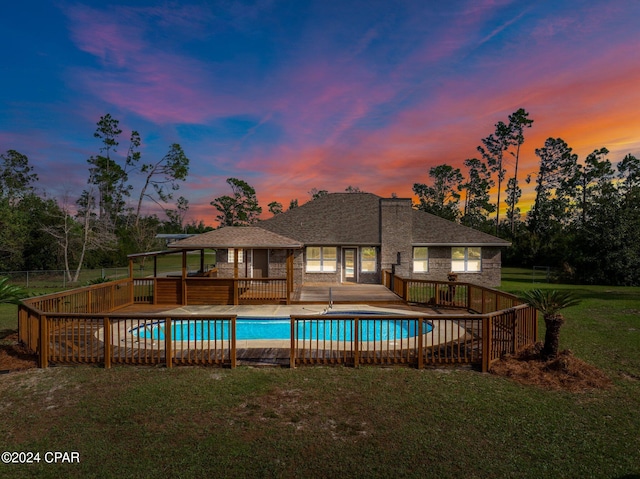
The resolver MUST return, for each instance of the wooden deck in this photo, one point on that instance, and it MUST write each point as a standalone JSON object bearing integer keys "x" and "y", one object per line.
{"x": 318, "y": 293}
{"x": 75, "y": 320}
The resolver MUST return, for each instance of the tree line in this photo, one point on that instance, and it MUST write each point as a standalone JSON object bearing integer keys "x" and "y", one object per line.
{"x": 104, "y": 222}
{"x": 584, "y": 221}
{"x": 585, "y": 218}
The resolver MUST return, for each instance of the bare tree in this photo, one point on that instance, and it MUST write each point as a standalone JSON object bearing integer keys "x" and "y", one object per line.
{"x": 162, "y": 177}
{"x": 77, "y": 234}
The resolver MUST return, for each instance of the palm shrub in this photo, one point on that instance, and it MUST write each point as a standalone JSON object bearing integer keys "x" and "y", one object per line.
{"x": 10, "y": 293}
{"x": 549, "y": 302}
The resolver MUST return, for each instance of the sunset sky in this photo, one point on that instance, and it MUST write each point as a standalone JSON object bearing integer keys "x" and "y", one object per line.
{"x": 295, "y": 95}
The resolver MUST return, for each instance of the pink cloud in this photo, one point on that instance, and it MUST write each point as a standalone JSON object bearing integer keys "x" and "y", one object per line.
{"x": 139, "y": 76}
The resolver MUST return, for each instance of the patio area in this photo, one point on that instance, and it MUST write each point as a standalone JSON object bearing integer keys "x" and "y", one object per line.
{"x": 345, "y": 293}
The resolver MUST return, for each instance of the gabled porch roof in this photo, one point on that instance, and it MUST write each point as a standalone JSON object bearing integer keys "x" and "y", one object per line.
{"x": 238, "y": 237}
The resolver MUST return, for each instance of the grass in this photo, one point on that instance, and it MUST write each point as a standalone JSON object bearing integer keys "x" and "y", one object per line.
{"x": 41, "y": 282}
{"x": 328, "y": 422}
{"x": 604, "y": 329}
{"x": 172, "y": 263}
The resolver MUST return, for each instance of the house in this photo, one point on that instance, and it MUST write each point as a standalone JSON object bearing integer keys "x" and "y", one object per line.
{"x": 352, "y": 238}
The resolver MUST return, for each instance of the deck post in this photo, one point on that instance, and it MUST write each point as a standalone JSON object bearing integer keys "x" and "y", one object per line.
{"x": 486, "y": 342}
{"x": 232, "y": 349}
{"x": 513, "y": 316}
{"x": 43, "y": 360}
{"x": 355, "y": 342}
{"x": 168, "y": 343}
{"x": 420, "y": 344}
{"x": 292, "y": 349}
{"x": 236, "y": 292}
{"x": 106, "y": 331}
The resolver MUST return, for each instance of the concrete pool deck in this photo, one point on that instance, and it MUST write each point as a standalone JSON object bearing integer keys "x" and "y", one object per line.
{"x": 280, "y": 311}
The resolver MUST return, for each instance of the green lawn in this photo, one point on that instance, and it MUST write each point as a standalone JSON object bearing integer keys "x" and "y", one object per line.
{"x": 41, "y": 282}
{"x": 338, "y": 422}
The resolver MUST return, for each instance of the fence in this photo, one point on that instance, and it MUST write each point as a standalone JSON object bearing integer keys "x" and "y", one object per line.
{"x": 472, "y": 297}
{"x": 451, "y": 339}
{"x": 57, "y": 279}
{"x": 137, "y": 339}
{"x": 80, "y": 326}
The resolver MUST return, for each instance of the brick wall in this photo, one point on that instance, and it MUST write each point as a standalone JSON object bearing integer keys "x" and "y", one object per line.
{"x": 440, "y": 266}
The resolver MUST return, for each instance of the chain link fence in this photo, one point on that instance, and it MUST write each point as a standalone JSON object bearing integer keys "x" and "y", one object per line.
{"x": 57, "y": 279}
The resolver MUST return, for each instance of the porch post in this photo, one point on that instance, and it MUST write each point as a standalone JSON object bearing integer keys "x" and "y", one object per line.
{"x": 131, "y": 282}
{"x": 289, "y": 275}
{"x": 183, "y": 291}
{"x": 235, "y": 263}
{"x": 236, "y": 292}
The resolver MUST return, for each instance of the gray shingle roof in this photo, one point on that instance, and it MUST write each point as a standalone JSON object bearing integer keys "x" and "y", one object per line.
{"x": 337, "y": 219}
{"x": 354, "y": 219}
{"x": 432, "y": 230}
{"x": 238, "y": 237}
{"x": 333, "y": 219}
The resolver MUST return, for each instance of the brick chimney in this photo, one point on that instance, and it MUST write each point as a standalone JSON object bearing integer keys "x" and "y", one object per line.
{"x": 395, "y": 234}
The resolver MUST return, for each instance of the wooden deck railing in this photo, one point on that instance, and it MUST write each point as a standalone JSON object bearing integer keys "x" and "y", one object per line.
{"x": 205, "y": 290}
{"x": 147, "y": 339}
{"x": 355, "y": 340}
{"x": 99, "y": 298}
{"x": 81, "y": 326}
{"x": 455, "y": 339}
{"x": 88, "y": 299}
{"x": 472, "y": 297}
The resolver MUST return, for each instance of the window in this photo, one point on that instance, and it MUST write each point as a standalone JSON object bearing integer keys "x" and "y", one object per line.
{"x": 467, "y": 259}
{"x": 368, "y": 259}
{"x": 322, "y": 259}
{"x": 420, "y": 259}
{"x": 230, "y": 255}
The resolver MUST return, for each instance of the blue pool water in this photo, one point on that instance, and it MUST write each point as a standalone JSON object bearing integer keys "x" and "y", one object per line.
{"x": 280, "y": 329}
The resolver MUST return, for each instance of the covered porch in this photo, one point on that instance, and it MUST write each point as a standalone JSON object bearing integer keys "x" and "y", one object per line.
{"x": 240, "y": 265}
{"x": 176, "y": 290}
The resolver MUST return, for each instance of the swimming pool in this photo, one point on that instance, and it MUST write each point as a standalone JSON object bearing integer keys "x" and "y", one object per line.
{"x": 280, "y": 329}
